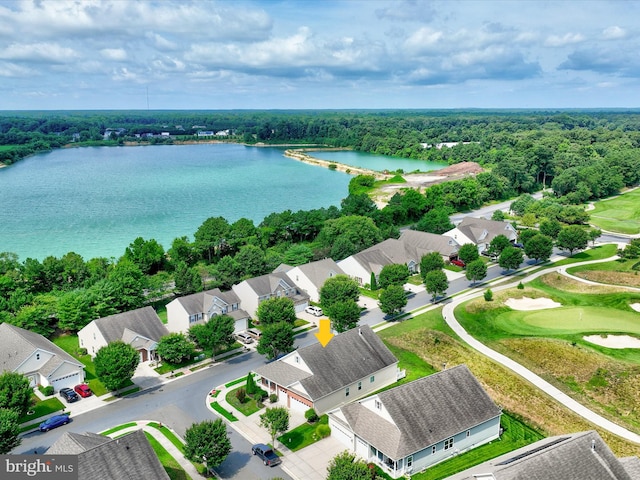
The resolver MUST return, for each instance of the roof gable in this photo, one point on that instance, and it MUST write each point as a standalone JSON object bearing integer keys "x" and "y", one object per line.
{"x": 318, "y": 272}
{"x": 143, "y": 321}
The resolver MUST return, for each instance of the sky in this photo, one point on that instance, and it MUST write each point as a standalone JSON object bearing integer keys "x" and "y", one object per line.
{"x": 318, "y": 54}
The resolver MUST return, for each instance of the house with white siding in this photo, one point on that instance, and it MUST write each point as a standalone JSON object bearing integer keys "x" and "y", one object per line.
{"x": 253, "y": 291}
{"x": 354, "y": 364}
{"x": 201, "y": 307}
{"x": 480, "y": 232}
{"x": 311, "y": 276}
{"x": 414, "y": 426}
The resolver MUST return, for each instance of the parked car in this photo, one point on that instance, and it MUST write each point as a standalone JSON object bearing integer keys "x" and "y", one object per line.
{"x": 518, "y": 245}
{"x": 459, "y": 263}
{"x": 317, "y": 311}
{"x": 54, "y": 422}
{"x": 255, "y": 333}
{"x": 267, "y": 454}
{"x": 69, "y": 395}
{"x": 83, "y": 390}
{"x": 244, "y": 338}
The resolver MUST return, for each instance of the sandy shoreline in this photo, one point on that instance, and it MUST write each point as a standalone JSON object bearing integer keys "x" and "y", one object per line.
{"x": 302, "y": 156}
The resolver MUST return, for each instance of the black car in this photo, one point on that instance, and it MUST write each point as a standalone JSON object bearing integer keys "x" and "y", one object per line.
{"x": 266, "y": 453}
{"x": 69, "y": 395}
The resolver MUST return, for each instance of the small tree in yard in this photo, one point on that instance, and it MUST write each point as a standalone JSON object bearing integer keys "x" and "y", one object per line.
{"x": 488, "y": 295}
{"x": 115, "y": 364}
{"x": 429, "y": 262}
{"x": 510, "y": 258}
{"x": 241, "y": 395}
{"x": 344, "y": 315}
{"x": 346, "y": 466}
{"x": 175, "y": 348}
{"x": 572, "y": 238}
{"x": 251, "y": 386}
{"x": 468, "y": 253}
{"x": 207, "y": 442}
{"x": 476, "y": 270}
{"x": 539, "y": 247}
{"x": 274, "y": 310}
{"x": 15, "y": 392}
{"x": 276, "y": 421}
{"x": 373, "y": 284}
{"x": 9, "y": 430}
{"x": 216, "y": 334}
{"x": 394, "y": 274}
{"x": 311, "y": 415}
{"x": 392, "y": 299}
{"x": 436, "y": 283}
{"x": 276, "y": 339}
{"x": 498, "y": 244}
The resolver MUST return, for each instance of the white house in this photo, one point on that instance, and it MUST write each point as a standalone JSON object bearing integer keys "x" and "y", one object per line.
{"x": 311, "y": 276}
{"x": 480, "y": 232}
{"x": 411, "y": 427}
{"x": 42, "y": 362}
{"x": 141, "y": 328}
{"x": 277, "y": 284}
{"x": 198, "y": 308}
{"x": 353, "y": 364}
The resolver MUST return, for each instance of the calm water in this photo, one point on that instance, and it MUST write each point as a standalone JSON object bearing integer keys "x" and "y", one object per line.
{"x": 96, "y": 201}
{"x": 378, "y": 162}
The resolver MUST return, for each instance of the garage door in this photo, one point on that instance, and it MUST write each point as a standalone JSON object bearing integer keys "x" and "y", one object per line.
{"x": 68, "y": 381}
{"x": 341, "y": 434}
{"x": 297, "y": 405}
{"x": 362, "y": 448}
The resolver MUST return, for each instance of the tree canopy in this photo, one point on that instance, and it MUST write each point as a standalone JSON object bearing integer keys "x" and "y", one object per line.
{"x": 115, "y": 364}
{"x": 207, "y": 442}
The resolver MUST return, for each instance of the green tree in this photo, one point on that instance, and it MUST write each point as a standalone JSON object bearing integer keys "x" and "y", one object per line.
{"x": 115, "y": 364}
{"x": 127, "y": 283}
{"x": 276, "y": 339}
{"x": 572, "y": 238}
{"x": 593, "y": 234}
{"x": 436, "y": 283}
{"x": 430, "y": 262}
{"x": 147, "y": 255}
{"x": 210, "y": 238}
{"x": 182, "y": 250}
{"x": 345, "y": 466}
{"x": 498, "y": 216}
{"x": 510, "y": 258}
{"x": 468, "y": 253}
{"x": 476, "y": 270}
{"x": 358, "y": 204}
{"x": 357, "y": 230}
{"x": 539, "y": 247}
{"x": 498, "y": 244}
{"x": 373, "y": 283}
{"x": 276, "y": 421}
{"x": 215, "y": 335}
{"x": 207, "y": 442}
{"x": 344, "y": 315}
{"x": 175, "y": 348}
{"x": 187, "y": 279}
{"x": 251, "y": 261}
{"x": 277, "y": 309}
{"x": 9, "y": 430}
{"x": 394, "y": 274}
{"x": 15, "y": 392}
{"x": 227, "y": 272}
{"x": 550, "y": 227}
{"x": 338, "y": 288}
{"x": 435, "y": 221}
{"x": 74, "y": 310}
{"x": 392, "y": 299}
{"x": 251, "y": 386}
{"x": 527, "y": 234}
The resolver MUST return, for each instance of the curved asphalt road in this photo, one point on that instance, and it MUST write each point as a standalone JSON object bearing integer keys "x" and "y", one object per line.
{"x": 567, "y": 401}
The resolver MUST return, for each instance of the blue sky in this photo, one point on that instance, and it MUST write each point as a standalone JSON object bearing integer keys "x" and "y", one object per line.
{"x": 90, "y": 54}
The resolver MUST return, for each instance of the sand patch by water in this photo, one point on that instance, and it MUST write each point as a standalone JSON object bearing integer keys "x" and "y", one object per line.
{"x": 614, "y": 341}
{"x": 526, "y": 303}
{"x": 635, "y": 306}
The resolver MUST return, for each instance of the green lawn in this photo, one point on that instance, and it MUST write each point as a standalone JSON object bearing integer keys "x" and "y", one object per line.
{"x": 516, "y": 435}
{"x": 612, "y": 266}
{"x": 169, "y": 434}
{"x": 247, "y": 408}
{"x": 170, "y": 464}
{"x": 595, "y": 253}
{"x": 118, "y": 428}
{"x": 303, "y": 435}
{"x": 69, "y": 343}
{"x": 228, "y": 415}
{"x": 40, "y": 408}
{"x": 618, "y": 214}
{"x": 236, "y": 382}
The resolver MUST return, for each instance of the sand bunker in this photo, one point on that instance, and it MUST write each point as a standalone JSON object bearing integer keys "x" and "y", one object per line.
{"x": 526, "y": 303}
{"x": 635, "y": 306}
{"x": 614, "y": 341}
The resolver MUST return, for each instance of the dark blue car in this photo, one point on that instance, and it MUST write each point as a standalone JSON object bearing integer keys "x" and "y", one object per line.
{"x": 53, "y": 422}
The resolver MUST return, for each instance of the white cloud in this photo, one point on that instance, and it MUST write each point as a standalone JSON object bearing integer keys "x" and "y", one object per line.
{"x": 423, "y": 40}
{"x": 9, "y": 69}
{"x": 562, "y": 40}
{"x": 613, "y": 33}
{"x": 38, "y": 52}
{"x": 117, "y": 54}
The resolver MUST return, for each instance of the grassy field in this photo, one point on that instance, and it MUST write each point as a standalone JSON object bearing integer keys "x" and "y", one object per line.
{"x": 247, "y": 408}
{"x": 619, "y": 214}
{"x": 616, "y": 272}
{"x": 170, "y": 465}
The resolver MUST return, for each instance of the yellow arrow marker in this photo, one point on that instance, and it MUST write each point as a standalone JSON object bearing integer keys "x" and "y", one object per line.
{"x": 324, "y": 335}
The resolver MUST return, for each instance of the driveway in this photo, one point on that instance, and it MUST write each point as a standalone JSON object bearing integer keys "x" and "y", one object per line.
{"x": 311, "y": 462}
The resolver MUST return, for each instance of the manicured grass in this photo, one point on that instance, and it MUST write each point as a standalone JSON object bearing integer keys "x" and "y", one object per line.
{"x": 300, "y": 322}
{"x": 595, "y": 253}
{"x": 247, "y": 408}
{"x": 118, "y": 428}
{"x": 415, "y": 279}
{"x": 170, "y": 464}
{"x": 170, "y": 435}
{"x": 167, "y": 367}
{"x": 228, "y": 415}
{"x": 619, "y": 214}
{"x": 303, "y": 435}
{"x": 516, "y": 435}
{"x": 41, "y": 408}
{"x": 69, "y": 343}
{"x": 375, "y": 294}
{"x": 616, "y": 272}
{"x": 235, "y": 382}
{"x": 129, "y": 392}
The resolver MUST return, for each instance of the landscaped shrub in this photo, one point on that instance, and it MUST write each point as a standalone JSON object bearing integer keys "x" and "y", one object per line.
{"x": 488, "y": 295}
{"x": 323, "y": 431}
{"x": 273, "y": 398}
{"x": 46, "y": 391}
{"x": 82, "y": 352}
{"x": 241, "y": 395}
{"x": 520, "y": 286}
{"x": 260, "y": 395}
{"x": 251, "y": 385}
{"x": 311, "y": 415}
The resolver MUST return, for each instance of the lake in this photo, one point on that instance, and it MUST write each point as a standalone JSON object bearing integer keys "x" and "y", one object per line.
{"x": 95, "y": 201}
{"x": 377, "y": 162}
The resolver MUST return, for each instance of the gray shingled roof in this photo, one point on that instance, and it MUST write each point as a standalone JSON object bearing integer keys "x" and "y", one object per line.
{"x": 318, "y": 272}
{"x": 127, "y": 457}
{"x": 18, "y": 344}
{"x": 424, "y": 412}
{"x": 74, "y": 443}
{"x": 632, "y": 466}
{"x": 143, "y": 321}
{"x": 578, "y": 456}
{"x": 348, "y": 357}
{"x": 475, "y": 227}
{"x": 267, "y": 284}
{"x": 420, "y": 243}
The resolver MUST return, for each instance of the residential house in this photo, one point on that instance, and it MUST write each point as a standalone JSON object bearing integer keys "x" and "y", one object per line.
{"x": 141, "y": 328}
{"x": 353, "y": 364}
{"x": 575, "y": 456}
{"x": 413, "y": 426}
{"x": 104, "y": 458}
{"x": 311, "y": 276}
{"x": 199, "y": 308}
{"x": 480, "y": 232}
{"x": 272, "y": 285}
{"x": 408, "y": 249}
{"x": 42, "y": 362}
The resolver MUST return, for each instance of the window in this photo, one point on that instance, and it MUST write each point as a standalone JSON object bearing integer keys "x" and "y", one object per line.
{"x": 434, "y": 449}
{"x": 372, "y": 378}
{"x": 346, "y": 392}
{"x": 297, "y": 359}
{"x": 378, "y": 405}
{"x": 359, "y": 385}
{"x": 410, "y": 461}
{"x": 448, "y": 443}
{"x": 38, "y": 356}
{"x": 468, "y": 433}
